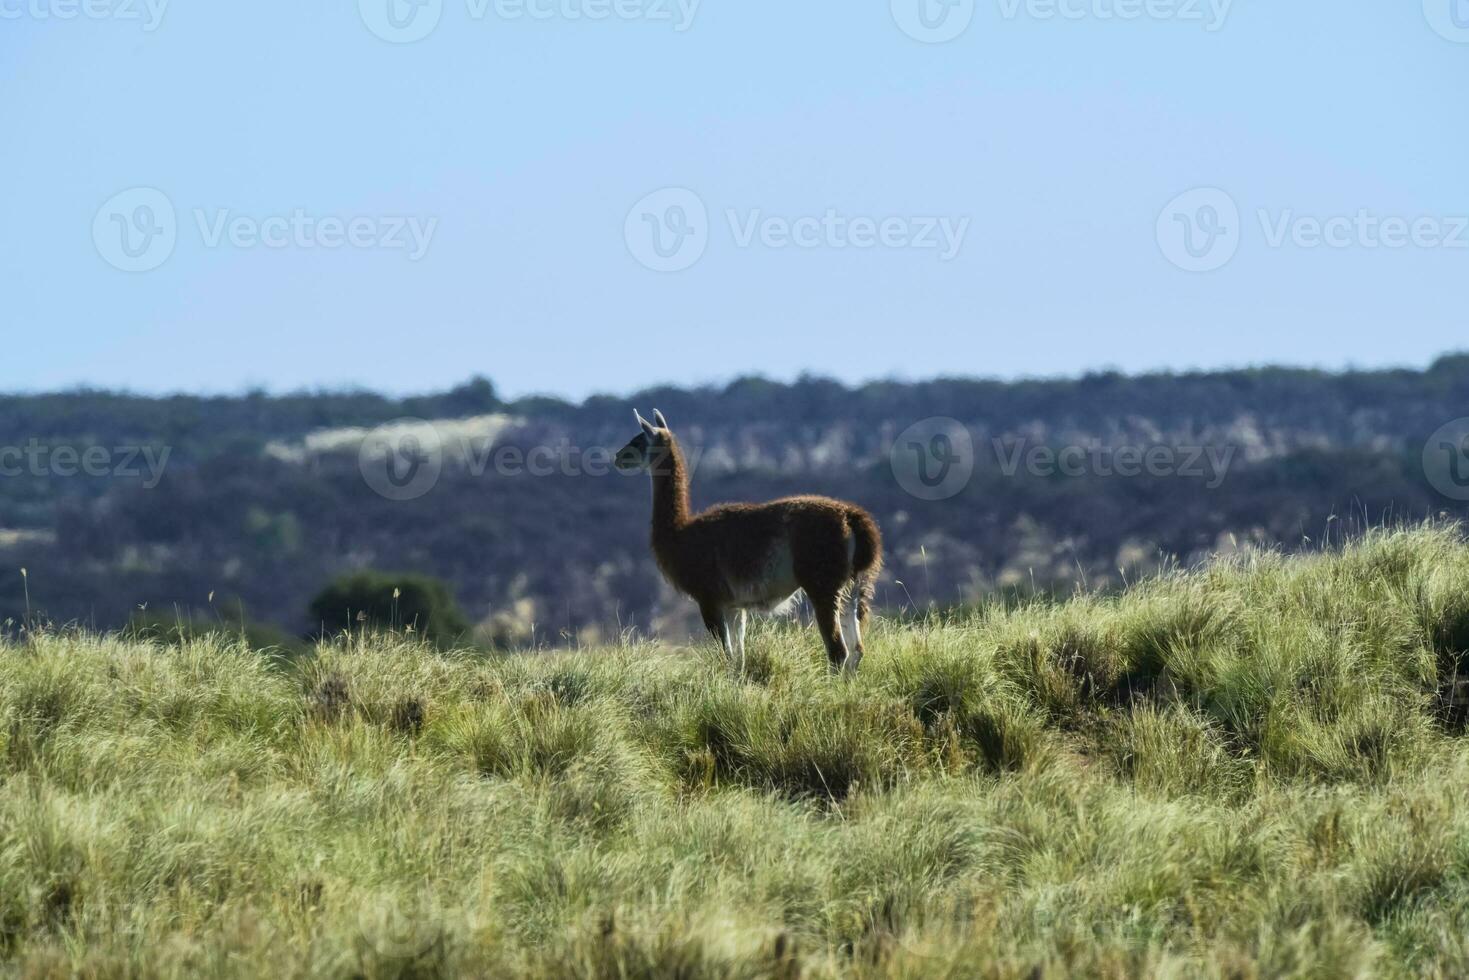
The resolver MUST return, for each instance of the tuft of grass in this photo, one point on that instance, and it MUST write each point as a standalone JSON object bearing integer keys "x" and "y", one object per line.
{"x": 1251, "y": 768}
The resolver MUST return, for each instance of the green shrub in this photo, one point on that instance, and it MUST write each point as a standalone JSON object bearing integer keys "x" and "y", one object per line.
{"x": 380, "y": 601}
{"x": 181, "y": 628}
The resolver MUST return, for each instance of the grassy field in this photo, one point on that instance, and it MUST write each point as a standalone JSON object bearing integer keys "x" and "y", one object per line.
{"x": 1247, "y": 769}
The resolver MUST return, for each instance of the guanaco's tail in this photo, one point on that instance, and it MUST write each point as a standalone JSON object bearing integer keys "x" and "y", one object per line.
{"x": 867, "y": 555}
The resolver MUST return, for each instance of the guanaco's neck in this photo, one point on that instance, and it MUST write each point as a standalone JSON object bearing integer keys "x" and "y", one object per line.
{"x": 670, "y": 493}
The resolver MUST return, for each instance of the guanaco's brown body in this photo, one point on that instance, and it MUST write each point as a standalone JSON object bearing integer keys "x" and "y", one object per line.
{"x": 736, "y": 558}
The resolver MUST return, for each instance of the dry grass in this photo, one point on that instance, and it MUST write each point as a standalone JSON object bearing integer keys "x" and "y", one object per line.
{"x": 1243, "y": 770}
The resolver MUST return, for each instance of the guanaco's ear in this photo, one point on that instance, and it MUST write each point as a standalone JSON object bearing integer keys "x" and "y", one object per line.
{"x": 647, "y": 426}
{"x": 658, "y": 417}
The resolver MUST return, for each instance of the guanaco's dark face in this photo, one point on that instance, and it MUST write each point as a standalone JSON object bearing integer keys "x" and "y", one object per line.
{"x": 634, "y": 456}
{"x": 646, "y": 447}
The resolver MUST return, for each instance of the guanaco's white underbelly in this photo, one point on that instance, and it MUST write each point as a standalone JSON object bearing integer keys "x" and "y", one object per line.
{"x": 772, "y": 587}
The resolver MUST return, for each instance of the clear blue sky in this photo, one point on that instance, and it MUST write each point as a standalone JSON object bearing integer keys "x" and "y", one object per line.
{"x": 529, "y": 139}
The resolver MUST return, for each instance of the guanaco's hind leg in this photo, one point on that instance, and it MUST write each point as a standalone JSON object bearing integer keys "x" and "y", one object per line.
{"x": 830, "y": 629}
{"x": 855, "y": 611}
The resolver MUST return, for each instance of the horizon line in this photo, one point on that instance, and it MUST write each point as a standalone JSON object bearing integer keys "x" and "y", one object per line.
{"x": 357, "y": 388}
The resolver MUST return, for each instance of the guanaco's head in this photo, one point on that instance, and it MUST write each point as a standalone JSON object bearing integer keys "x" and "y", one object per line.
{"x": 648, "y": 446}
